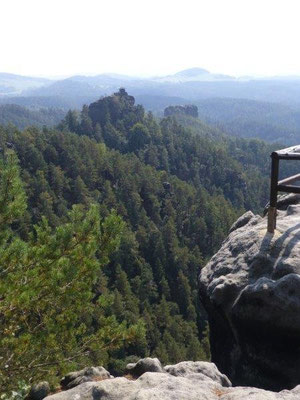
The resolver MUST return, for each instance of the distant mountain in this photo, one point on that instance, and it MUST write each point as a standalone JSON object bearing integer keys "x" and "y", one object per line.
{"x": 191, "y": 72}
{"x": 195, "y": 74}
{"x": 11, "y": 84}
{"x": 98, "y": 85}
{"x": 66, "y": 87}
{"x": 105, "y": 78}
{"x": 104, "y": 84}
{"x": 192, "y": 85}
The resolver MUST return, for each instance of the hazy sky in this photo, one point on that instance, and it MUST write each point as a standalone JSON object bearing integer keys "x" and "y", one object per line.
{"x": 149, "y": 37}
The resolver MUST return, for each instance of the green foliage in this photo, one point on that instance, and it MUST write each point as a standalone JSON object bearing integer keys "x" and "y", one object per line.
{"x": 50, "y": 320}
{"x": 139, "y": 137}
{"x": 12, "y": 196}
{"x": 20, "y": 392}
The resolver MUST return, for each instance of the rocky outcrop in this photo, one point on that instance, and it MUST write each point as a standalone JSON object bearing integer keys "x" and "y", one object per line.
{"x": 39, "y": 391}
{"x": 184, "y": 381}
{"x": 85, "y": 375}
{"x": 144, "y": 365}
{"x": 189, "y": 109}
{"x": 201, "y": 368}
{"x": 251, "y": 291}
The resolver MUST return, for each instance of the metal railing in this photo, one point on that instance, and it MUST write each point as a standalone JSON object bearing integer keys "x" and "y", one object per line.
{"x": 285, "y": 185}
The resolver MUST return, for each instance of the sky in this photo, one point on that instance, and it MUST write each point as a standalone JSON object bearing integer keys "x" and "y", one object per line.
{"x": 149, "y": 38}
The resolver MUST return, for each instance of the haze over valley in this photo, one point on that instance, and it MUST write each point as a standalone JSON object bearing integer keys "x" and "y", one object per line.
{"x": 267, "y": 108}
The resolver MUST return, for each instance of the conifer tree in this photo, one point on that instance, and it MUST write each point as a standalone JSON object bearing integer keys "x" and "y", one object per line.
{"x": 49, "y": 321}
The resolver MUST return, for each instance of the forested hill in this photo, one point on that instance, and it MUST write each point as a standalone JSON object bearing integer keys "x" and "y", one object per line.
{"x": 23, "y": 117}
{"x": 178, "y": 191}
{"x": 253, "y": 119}
{"x": 196, "y": 153}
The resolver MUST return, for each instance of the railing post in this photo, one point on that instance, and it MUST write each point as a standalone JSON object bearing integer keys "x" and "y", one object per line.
{"x": 273, "y": 193}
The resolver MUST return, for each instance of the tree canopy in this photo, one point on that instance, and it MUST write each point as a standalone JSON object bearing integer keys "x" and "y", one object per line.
{"x": 50, "y": 319}
{"x": 122, "y": 212}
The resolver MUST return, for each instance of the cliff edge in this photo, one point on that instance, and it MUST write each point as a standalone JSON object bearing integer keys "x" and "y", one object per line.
{"x": 251, "y": 291}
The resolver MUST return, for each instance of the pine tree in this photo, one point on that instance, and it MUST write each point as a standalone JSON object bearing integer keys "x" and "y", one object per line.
{"x": 86, "y": 125}
{"x": 185, "y": 297}
{"x": 72, "y": 121}
{"x": 46, "y": 286}
{"x": 139, "y": 137}
{"x": 80, "y": 192}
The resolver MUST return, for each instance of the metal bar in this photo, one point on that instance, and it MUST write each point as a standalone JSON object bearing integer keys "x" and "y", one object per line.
{"x": 288, "y": 189}
{"x": 290, "y": 153}
{"x": 291, "y": 156}
{"x": 273, "y": 193}
{"x": 290, "y": 179}
{"x": 292, "y": 149}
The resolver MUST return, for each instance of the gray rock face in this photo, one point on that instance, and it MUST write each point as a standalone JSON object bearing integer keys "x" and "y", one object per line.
{"x": 251, "y": 291}
{"x": 163, "y": 386}
{"x": 144, "y": 365}
{"x": 206, "y": 371}
{"x": 39, "y": 391}
{"x": 284, "y": 201}
{"x": 242, "y": 221}
{"x": 85, "y": 375}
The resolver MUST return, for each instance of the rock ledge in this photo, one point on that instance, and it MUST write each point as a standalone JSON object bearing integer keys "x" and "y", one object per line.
{"x": 184, "y": 381}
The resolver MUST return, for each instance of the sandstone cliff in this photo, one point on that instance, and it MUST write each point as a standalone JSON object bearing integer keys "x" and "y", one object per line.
{"x": 251, "y": 291}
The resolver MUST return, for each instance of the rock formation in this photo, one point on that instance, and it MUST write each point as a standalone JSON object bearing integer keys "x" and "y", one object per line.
{"x": 188, "y": 109}
{"x": 184, "y": 381}
{"x": 39, "y": 391}
{"x": 85, "y": 375}
{"x": 251, "y": 291}
{"x": 144, "y": 365}
{"x": 201, "y": 368}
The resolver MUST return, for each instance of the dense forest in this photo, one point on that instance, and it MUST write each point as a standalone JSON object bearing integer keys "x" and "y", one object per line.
{"x": 23, "y": 117}
{"x": 253, "y": 119}
{"x": 154, "y": 199}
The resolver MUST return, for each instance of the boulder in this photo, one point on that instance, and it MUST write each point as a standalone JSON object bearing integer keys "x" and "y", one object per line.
{"x": 144, "y": 365}
{"x": 206, "y": 370}
{"x": 251, "y": 291}
{"x": 85, "y": 375}
{"x": 242, "y": 221}
{"x": 39, "y": 391}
